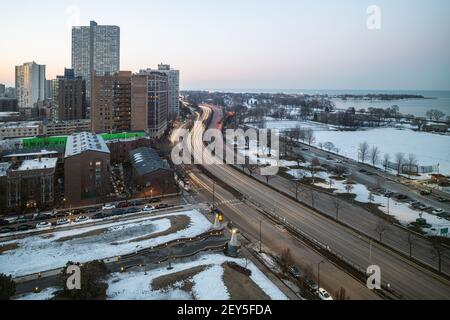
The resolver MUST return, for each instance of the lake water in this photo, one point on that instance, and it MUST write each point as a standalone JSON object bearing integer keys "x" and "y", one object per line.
{"x": 439, "y": 100}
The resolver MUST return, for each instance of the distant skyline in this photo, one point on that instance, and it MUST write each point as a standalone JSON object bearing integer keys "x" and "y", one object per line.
{"x": 252, "y": 44}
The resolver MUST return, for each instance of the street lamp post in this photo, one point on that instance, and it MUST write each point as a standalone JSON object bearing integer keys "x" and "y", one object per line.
{"x": 260, "y": 234}
{"x": 214, "y": 195}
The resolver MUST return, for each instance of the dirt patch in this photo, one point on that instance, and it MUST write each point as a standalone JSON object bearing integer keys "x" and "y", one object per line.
{"x": 8, "y": 247}
{"x": 241, "y": 287}
{"x": 185, "y": 276}
{"x": 177, "y": 223}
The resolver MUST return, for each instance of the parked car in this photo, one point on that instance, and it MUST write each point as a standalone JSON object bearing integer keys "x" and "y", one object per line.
{"x": 81, "y": 219}
{"x": 162, "y": 206}
{"x": 295, "y": 271}
{"x": 118, "y": 212}
{"x": 98, "y": 216}
{"x": 108, "y": 207}
{"x": 23, "y": 219}
{"x": 324, "y": 295}
{"x": 402, "y": 197}
{"x": 122, "y": 205}
{"x": 93, "y": 209}
{"x": 4, "y": 222}
{"x": 437, "y": 212}
{"x": 40, "y": 217}
{"x": 24, "y": 227}
{"x": 7, "y": 230}
{"x": 148, "y": 208}
{"x": 423, "y": 207}
{"x": 154, "y": 200}
{"x": 61, "y": 222}
{"x": 137, "y": 203}
{"x": 388, "y": 194}
{"x": 43, "y": 225}
{"x": 133, "y": 210}
{"x": 311, "y": 284}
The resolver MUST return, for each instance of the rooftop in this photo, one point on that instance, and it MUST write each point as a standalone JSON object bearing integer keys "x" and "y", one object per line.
{"x": 84, "y": 141}
{"x": 22, "y": 124}
{"x": 147, "y": 160}
{"x": 37, "y": 164}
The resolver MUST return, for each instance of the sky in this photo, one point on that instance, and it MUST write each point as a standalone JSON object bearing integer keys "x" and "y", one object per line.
{"x": 246, "y": 44}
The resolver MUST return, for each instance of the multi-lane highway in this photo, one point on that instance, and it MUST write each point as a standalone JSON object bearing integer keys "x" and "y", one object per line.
{"x": 404, "y": 277}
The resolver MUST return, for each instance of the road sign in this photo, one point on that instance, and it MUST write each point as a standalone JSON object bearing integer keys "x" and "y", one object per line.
{"x": 444, "y": 231}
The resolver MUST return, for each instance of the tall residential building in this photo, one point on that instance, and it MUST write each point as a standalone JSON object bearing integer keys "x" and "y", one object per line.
{"x": 158, "y": 103}
{"x": 95, "y": 51}
{"x": 30, "y": 84}
{"x": 173, "y": 77}
{"x": 118, "y": 102}
{"x": 69, "y": 97}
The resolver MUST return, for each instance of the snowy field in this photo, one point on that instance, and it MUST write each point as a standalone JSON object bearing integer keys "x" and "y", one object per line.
{"x": 429, "y": 148}
{"x": 207, "y": 284}
{"x": 401, "y": 211}
{"x": 53, "y": 250}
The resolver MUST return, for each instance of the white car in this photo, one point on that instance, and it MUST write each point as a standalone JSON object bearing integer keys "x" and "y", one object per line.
{"x": 324, "y": 295}
{"x": 148, "y": 208}
{"x": 43, "y": 225}
{"x": 437, "y": 211}
{"x": 61, "y": 222}
{"x": 81, "y": 219}
{"x": 109, "y": 207}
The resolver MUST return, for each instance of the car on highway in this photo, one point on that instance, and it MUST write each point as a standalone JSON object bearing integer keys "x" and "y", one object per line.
{"x": 148, "y": 208}
{"x": 305, "y": 149}
{"x": 43, "y": 225}
{"x": 295, "y": 271}
{"x": 24, "y": 227}
{"x": 438, "y": 212}
{"x": 339, "y": 161}
{"x": 81, "y": 219}
{"x": 402, "y": 197}
{"x": 423, "y": 207}
{"x": 133, "y": 210}
{"x": 442, "y": 200}
{"x": 388, "y": 194}
{"x": 109, "y": 207}
{"x": 23, "y": 219}
{"x": 425, "y": 192}
{"x": 324, "y": 295}
{"x": 61, "y": 222}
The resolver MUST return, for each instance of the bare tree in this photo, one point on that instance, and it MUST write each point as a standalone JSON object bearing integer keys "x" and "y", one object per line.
{"x": 363, "y": 151}
{"x": 371, "y": 197}
{"x": 411, "y": 162}
{"x": 434, "y": 114}
{"x": 296, "y": 184}
{"x": 399, "y": 160}
{"x": 286, "y": 259}
{"x": 381, "y": 228}
{"x": 386, "y": 159}
{"x": 310, "y": 136}
{"x": 349, "y": 186}
{"x": 329, "y": 146}
{"x": 374, "y": 155}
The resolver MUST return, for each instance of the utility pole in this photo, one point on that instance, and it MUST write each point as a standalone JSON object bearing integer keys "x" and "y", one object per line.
{"x": 214, "y": 195}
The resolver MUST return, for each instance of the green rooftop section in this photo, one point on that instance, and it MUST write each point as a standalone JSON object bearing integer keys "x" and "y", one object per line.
{"x": 124, "y": 135}
{"x": 47, "y": 142}
{"x": 60, "y": 141}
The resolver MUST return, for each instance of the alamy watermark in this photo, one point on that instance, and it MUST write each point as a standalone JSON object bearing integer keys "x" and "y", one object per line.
{"x": 74, "y": 280}
{"x": 374, "y": 18}
{"x": 238, "y": 147}
{"x": 374, "y": 279}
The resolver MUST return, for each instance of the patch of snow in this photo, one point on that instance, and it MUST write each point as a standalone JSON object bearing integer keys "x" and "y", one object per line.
{"x": 45, "y": 294}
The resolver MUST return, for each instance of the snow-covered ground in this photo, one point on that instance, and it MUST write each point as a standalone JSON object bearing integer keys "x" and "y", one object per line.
{"x": 44, "y": 252}
{"x": 45, "y": 294}
{"x": 207, "y": 284}
{"x": 429, "y": 148}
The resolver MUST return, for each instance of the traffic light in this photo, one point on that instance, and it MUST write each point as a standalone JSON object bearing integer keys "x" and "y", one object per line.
{"x": 220, "y": 216}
